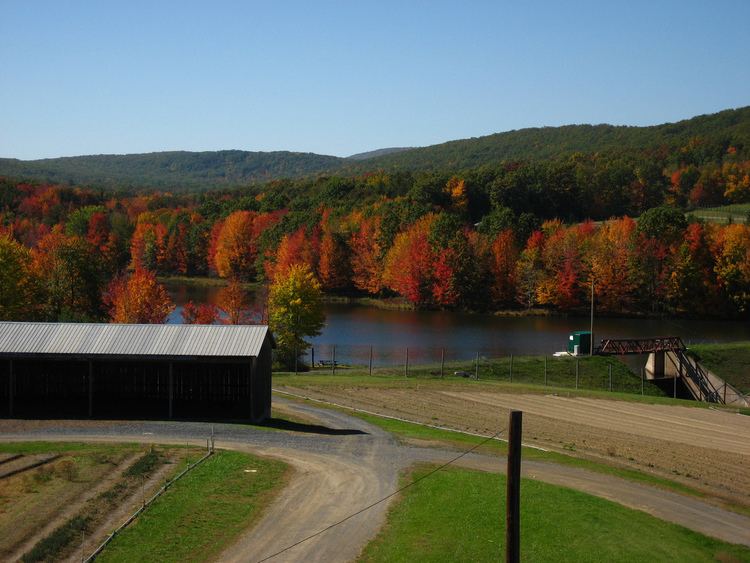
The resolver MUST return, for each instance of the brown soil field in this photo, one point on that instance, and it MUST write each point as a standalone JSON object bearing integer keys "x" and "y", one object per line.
{"x": 706, "y": 449}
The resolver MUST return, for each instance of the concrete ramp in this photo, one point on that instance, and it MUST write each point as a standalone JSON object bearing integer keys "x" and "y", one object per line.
{"x": 700, "y": 383}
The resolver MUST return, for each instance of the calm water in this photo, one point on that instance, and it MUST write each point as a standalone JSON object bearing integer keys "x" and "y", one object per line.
{"x": 353, "y": 329}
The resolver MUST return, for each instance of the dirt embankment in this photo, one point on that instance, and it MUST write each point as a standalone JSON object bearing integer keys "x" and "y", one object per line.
{"x": 703, "y": 448}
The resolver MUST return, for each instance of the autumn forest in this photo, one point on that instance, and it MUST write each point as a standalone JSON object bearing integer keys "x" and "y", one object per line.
{"x": 506, "y": 234}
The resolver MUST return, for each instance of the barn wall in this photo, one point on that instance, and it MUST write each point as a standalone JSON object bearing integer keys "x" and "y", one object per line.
{"x": 133, "y": 389}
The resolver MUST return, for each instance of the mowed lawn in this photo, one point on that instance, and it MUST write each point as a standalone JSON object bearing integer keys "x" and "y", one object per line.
{"x": 459, "y": 515}
{"x": 730, "y": 361}
{"x": 203, "y": 513}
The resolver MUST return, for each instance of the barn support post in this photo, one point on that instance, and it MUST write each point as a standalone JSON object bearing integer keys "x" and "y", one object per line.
{"x": 91, "y": 388}
{"x": 11, "y": 382}
{"x": 171, "y": 389}
{"x": 674, "y": 387}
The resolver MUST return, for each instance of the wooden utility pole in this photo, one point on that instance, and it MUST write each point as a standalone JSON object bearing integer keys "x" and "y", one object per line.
{"x": 513, "y": 490}
{"x": 591, "y": 338}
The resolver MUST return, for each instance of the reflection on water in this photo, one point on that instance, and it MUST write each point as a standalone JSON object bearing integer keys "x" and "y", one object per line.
{"x": 354, "y": 329}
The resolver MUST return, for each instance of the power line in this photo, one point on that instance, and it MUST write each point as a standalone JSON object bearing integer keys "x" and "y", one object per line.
{"x": 385, "y": 498}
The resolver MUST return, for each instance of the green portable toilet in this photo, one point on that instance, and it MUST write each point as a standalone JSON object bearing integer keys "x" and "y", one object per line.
{"x": 579, "y": 342}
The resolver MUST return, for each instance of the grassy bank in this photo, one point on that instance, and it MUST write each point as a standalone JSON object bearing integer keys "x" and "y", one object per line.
{"x": 729, "y": 361}
{"x": 203, "y": 281}
{"x": 202, "y": 513}
{"x": 458, "y": 515}
{"x": 532, "y": 372}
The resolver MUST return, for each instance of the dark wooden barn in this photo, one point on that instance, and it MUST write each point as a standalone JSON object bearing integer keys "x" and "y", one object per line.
{"x": 130, "y": 371}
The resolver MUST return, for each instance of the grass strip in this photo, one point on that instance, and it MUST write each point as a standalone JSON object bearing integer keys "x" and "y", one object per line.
{"x": 414, "y": 431}
{"x": 202, "y": 513}
{"x": 458, "y": 515}
{"x": 50, "y": 547}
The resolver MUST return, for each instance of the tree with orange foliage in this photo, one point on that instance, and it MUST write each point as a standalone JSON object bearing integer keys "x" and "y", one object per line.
{"x": 504, "y": 258}
{"x": 333, "y": 262}
{"x": 732, "y": 254}
{"x": 409, "y": 263}
{"x": 235, "y": 253}
{"x": 234, "y": 303}
{"x": 138, "y": 298}
{"x": 296, "y": 248}
{"x": 366, "y": 256}
{"x": 456, "y": 188}
{"x": 610, "y": 261}
{"x": 202, "y": 314}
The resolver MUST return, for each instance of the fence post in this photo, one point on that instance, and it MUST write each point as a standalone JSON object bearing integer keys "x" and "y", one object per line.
{"x": 312, "y": 361}
{"x": 511, "y": 368}
{"x": 476, "y": 367}
{"x": 545, "y": 371}
{"x": 406, "y": 365}
{"x": 370, "y": 359}
{"x": 333, "y": 361}
{"x": 725, "y": 393}
{"x": 442, "y": 361}
{"x": 643, "y": 376}
{"x": 576, "y": 373}
{"x": 609, "y": 368}
{"x": 674, "y": 387}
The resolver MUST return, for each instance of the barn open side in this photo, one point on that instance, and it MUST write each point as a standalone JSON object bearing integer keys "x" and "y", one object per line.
{"x": 135, "y": 371}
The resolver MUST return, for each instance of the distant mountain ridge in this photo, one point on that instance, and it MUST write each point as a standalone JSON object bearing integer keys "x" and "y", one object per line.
{"x": 379, "y": 152}
{"x": 191, "y": 170}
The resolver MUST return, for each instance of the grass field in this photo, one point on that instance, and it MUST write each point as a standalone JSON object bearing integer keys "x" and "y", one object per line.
{"x": 738, "y": 212}
{"x": 202, "y": 513}
{"x": 458, "y": 515}
{"x": 528, "y": 377}
{"x": 729, "y": 361}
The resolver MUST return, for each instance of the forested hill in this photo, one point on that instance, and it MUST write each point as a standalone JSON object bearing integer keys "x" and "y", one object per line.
{"x": 171, "y": 169}
{"x": 203, "y": 170}
{"x": 729, "y": 127}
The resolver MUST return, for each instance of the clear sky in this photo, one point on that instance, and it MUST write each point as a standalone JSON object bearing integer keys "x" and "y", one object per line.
{"x": 344, "y": 77}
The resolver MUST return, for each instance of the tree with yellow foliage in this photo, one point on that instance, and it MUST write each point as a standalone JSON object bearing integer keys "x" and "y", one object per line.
{"x": 295, "y": 311}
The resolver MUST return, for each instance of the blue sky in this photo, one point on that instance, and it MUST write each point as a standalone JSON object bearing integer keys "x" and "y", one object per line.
{"x": 345, "y": 77}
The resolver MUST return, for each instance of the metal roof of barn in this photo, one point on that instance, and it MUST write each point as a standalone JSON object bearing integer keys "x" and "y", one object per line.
{"x": 157, "y": 340}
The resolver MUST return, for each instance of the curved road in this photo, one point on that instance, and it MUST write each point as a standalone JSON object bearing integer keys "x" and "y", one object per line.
{"x": 343, "y": 464}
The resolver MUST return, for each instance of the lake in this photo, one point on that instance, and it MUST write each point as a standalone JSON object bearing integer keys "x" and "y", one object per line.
{"x": 354, "y": 328}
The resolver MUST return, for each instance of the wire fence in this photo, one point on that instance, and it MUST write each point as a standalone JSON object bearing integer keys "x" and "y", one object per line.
{"x": 581, "y": 372}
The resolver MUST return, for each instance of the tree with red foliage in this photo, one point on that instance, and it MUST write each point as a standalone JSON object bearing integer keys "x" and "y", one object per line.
{"x": 138, "y": 298}
{"x": 296, "y": 248}
{"x": 201, "y": 314}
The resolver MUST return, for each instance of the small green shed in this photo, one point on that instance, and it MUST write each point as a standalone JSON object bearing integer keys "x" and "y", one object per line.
{"x": 579, "y": 342}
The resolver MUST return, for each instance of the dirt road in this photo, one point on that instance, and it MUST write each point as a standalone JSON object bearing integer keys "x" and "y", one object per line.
{"x": 344, "y": 464}
{"x": 706, "y": 449}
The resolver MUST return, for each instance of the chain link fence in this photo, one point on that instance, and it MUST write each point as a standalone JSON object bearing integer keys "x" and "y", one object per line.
{"x": 582, "y": 372}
